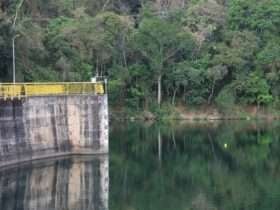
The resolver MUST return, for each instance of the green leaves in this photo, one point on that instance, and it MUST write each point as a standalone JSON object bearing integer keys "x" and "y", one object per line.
{"x": 187, "y": 55}
{"x": 253, "y": 89}
{"x": 160, "y": 41}
{"x": 255, "y": 15}
{"x": 237, "y": 50}
{"x": 270, "y": 55}
{"x": 217, "y": 73}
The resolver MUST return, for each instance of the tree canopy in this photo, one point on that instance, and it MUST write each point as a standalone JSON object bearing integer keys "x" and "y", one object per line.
{"x": 153, "y": 52}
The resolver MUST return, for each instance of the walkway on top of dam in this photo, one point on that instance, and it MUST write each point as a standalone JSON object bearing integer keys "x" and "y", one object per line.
{"x": 21, "y": 90}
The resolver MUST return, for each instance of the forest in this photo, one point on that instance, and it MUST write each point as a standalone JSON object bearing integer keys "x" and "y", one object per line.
{"x": 154, "y": 53}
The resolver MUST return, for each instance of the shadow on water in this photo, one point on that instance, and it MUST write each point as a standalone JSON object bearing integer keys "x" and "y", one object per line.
{"x": 78, "y": 183}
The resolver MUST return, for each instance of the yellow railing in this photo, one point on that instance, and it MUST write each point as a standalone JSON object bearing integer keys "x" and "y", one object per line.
{"x": 18, "y": 90}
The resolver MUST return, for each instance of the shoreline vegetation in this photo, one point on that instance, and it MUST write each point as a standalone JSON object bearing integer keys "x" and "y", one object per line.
{"x": 201, "y": 113}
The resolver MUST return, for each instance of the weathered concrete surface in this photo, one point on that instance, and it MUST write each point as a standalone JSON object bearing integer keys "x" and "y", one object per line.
{"x": 78, "y": 183}
{"x": 39, "y": 127}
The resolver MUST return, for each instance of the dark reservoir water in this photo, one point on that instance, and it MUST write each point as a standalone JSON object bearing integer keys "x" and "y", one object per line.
{"x": 179, "y": 166}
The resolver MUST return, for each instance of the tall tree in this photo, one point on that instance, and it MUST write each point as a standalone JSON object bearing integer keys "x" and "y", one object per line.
{"x": 162, "y": 42}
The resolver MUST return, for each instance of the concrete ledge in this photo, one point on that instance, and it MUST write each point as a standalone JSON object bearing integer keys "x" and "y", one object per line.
{"x": 16, "y": 163}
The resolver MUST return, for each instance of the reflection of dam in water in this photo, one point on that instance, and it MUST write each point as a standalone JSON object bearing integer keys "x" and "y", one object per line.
{"x": 80, "y": 183}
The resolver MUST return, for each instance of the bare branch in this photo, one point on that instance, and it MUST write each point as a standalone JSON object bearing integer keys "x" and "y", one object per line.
{"x": 17, "y": 11}
{"x": 105, "y": 5}
{"x": 171, "y": 54}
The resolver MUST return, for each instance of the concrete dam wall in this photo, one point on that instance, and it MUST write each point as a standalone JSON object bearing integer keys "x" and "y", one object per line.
{"x": 43, "y": 126}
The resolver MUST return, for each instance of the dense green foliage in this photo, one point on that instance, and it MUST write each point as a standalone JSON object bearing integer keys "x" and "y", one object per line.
{"x": 187, "y": 52}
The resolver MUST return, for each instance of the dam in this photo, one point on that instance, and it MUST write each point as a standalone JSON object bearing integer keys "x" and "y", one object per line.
{"x": 42, "y": 120}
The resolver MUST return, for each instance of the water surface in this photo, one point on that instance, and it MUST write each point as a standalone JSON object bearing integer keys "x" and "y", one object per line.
{"x": 195, "y": 166}
{"x": 179, "y": 166}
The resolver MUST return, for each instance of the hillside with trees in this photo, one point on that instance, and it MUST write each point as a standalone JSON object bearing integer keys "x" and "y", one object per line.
{"x": 155, "y": 53}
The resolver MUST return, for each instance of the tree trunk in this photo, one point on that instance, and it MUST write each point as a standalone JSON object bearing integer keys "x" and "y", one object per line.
{"x": 159, "y": 89}
{"x": 212, "y": 92}
{"x": 74, "y": 4}
{"x": 124, "y": 52}
{"x": 14, "y": 61}
{"x": 183, "y": 4}
{"x": 96, "y": 69}
{"x": 258, "y": 108}
{"x": 174, "y": 96}
{"x": 173, "y": 138}
{"x": 159, "y": 146}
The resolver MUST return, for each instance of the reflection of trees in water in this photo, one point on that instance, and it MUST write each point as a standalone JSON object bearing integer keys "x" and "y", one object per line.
{"x": 197, "y": 170}
{"x": 66, "y": 184}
